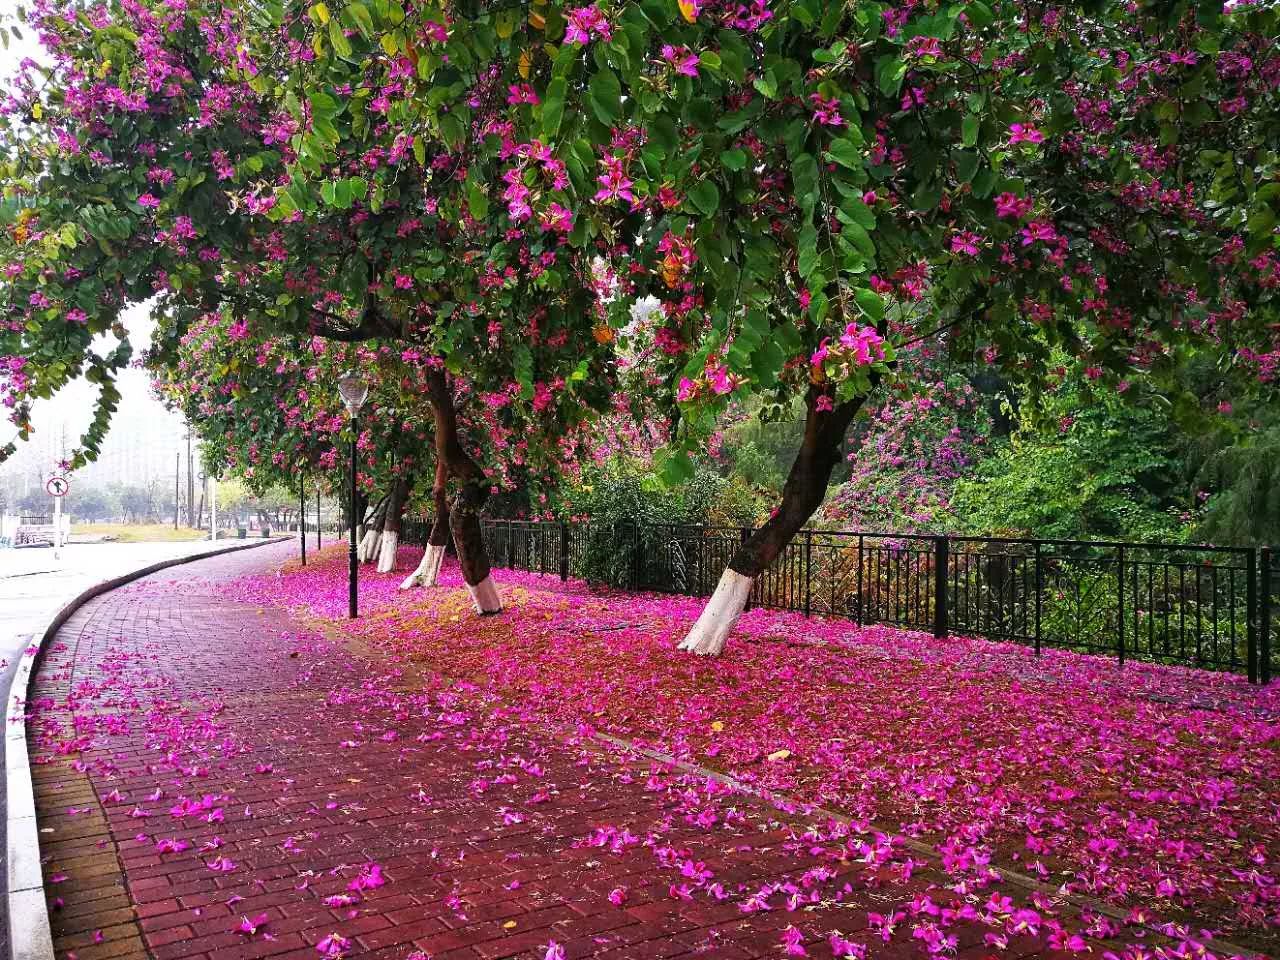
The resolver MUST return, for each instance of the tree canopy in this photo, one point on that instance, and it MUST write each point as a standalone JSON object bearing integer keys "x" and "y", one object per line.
{"x": 664, "y": 205}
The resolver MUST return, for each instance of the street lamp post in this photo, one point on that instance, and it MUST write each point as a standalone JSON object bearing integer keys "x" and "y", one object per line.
{"x": 354, "y": 392}
{"x": 302, "y": 515}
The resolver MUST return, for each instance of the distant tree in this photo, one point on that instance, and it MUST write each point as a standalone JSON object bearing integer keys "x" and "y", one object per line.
{"x": 1243, "y": 485}
{"x": 135, "y": 503}
{"x": 1084, "y": 463}
{"x": 91, "y": 503}
{"x": 232, "y": 499}
{"x": 34, "y": 502}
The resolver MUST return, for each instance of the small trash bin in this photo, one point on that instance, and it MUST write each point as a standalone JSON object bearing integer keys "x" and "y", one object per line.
{"x": 241, "y": 533}
{"x": 266, "y": 533}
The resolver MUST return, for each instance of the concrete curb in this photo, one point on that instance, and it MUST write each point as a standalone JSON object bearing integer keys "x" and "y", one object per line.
{"x": 30, "y": 936}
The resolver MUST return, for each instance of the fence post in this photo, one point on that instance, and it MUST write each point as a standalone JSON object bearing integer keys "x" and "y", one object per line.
{"x": 745, "y": 533}
{"x": 862, "y": 600}
{"x": 1251, "y": 616}
{"x": 1264, "y": 673}
{"x": 1039, "y": 595}
{"x": 808, "y": 572}
{"x": 941, "y": 555}
{"x": 1120, "y": 601}
{"x": 564, "y": 550}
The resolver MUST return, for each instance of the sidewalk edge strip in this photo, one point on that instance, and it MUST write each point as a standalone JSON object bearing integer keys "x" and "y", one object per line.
{"x": 30, "y": 935}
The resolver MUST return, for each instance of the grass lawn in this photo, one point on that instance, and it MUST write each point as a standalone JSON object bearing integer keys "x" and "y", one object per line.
{"x": 140, "y": 532}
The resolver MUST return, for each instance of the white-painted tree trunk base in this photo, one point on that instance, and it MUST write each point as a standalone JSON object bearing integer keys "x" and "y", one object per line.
{"x": 369, "y": 545}
{"x": 719, "y": 615}
{"x": 387, "y": 551}
{"x": 428, "y": 572}
{"x": 485, "y": 596}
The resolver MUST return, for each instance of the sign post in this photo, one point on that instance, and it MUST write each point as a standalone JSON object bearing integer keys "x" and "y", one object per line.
{"x": 57, "y": 487}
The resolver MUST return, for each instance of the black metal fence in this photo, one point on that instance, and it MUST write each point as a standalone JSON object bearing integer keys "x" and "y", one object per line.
{"x": 1202, "y": 606}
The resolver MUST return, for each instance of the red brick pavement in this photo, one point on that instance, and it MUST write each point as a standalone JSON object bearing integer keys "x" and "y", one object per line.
{"x": 201, "y": 762}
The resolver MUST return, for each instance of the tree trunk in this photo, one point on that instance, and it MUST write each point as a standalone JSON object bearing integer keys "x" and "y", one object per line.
{"x": 428, "y": 572}
{"x": 390, "y": 542}
{"x": 802, "y": 494}
{"x": 368, "y": 548}
{"x": 464, "y": 516}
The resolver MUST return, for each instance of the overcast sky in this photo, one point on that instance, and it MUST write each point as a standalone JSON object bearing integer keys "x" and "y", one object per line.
{"x": 72, "y": 409}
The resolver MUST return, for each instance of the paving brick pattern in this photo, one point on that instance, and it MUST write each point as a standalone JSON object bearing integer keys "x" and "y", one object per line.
{"x": 282, "y": 764}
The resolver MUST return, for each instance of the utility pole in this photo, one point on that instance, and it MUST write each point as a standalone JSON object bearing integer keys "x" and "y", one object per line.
{"x": 177, "y": 479}
{"x": 191, "y": 490}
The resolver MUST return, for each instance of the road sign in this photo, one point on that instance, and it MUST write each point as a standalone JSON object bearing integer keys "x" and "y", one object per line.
{"x": 58, "y": 486}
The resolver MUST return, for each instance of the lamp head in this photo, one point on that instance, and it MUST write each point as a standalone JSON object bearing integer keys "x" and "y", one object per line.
{"x": 354, "y": 392}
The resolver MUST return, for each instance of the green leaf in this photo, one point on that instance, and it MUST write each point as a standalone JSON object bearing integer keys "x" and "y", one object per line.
{"x": 734, "y": 159}
{"x": 928, "y": 196}
{"x": 889, "y": 74}
{"x": 807, "y": 250}
{"x": 871, "y": 304}
{"x": 766, "y": 363}
{"x": 705, "y": 197}
{"x": 360, "y": 19}
{"x": 341, "y": 45}
{"x": 553, "y": 107}
{"x": 355, "y": 278}
{"x": 452, "y": 129}
{"x": 845, "y": 153}
{"x": 978, "y": 14}
{"x": 604, "y": 95}
{"x": 478, "y": 202}
{"x": 969, "y": 130}
{"x": 675, "y": 467}
{"x": 804, "y": 179}
{"x": 323, "y": 105}
{"x": 522, "y": 366}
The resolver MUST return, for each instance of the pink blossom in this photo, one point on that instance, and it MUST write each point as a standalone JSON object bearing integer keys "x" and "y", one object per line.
{"x": 965, "y": 242}
{"x": 1024, "y": 133}
{"x": 585, "y": 22}
{"x": 613, "y": 182}
{"x": 826, "y": 110}
{"x": 683, "y": 60}
{"x": 251, "y": 927}
{"x": 1009, "y": 205}
{"x": 333, "y": 945}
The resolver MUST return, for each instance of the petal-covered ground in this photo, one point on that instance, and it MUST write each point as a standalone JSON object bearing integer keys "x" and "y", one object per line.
{"x": 227, "y": 767}
{"x": 1154, "y": 789}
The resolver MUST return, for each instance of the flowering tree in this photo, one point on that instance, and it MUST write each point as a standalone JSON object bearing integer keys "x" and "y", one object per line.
{"x": 322, "y": 218}
{"x": 905, "y": 464}
{"x": 820, "y": 185}
{"x": 801, "y": 189}
{"x": 268, "y": 410}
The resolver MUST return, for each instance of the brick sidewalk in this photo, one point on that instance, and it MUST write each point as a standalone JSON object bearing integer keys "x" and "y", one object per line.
{"x": 204, "y": 766}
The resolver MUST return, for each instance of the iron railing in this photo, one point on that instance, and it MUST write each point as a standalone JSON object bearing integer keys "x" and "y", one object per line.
{"x": 1202, "y": 606}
